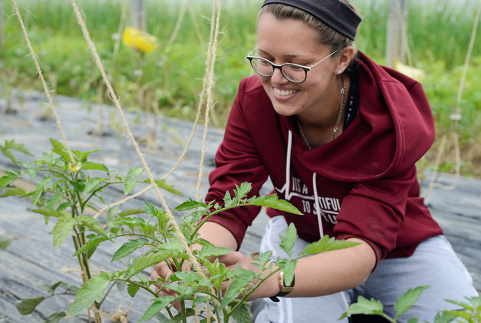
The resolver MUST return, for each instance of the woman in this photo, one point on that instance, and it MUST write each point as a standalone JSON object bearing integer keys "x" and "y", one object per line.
{"x": 338, "y": 136}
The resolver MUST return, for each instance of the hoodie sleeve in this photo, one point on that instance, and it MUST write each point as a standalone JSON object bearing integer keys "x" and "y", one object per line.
{"x": 375, "y": 211}
{"x": 237, "y": 161}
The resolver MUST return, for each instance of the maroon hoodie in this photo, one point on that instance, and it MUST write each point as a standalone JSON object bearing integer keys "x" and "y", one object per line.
{"x": 362, "y": 184}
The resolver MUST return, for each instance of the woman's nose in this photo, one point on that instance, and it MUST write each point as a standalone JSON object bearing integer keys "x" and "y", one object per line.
{"x": 277, "y": 77}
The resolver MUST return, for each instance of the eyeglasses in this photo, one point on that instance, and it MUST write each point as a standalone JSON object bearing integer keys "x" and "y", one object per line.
{"x": 295, "y": 73}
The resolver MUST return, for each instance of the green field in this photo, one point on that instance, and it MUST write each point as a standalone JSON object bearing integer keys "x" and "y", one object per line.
{"x": 438, "y": 36}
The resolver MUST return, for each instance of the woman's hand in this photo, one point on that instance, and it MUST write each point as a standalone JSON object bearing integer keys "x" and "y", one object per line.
{"x": 162, "y": 270}
{"x": 268, "y": 288}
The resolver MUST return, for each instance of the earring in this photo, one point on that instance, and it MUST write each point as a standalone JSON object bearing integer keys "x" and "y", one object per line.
{"x": 339, "y": 71}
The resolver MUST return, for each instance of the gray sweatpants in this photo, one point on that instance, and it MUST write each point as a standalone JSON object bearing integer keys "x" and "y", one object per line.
{"x": 434, "y": 263}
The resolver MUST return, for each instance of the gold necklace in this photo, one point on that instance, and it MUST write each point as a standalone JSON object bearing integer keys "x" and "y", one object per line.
{"x": 339, "y": 118}
{"x": 341, "y": 110}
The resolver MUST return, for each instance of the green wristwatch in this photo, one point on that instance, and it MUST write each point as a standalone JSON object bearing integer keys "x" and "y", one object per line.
{"x": 284, "y": 289}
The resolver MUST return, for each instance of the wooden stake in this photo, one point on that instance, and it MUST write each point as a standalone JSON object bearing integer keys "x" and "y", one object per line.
{"x": 396, "y": 49}
{"x": 137, "y": 15}
{"x": 1, "y": 26}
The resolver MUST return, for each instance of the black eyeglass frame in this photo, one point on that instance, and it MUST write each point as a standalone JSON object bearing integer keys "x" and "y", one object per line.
{"x": 274, "y": 66}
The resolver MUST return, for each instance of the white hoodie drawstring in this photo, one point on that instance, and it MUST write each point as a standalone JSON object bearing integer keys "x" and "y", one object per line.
{"x": 288, "y": 166}
{"x": 317, "y": 206}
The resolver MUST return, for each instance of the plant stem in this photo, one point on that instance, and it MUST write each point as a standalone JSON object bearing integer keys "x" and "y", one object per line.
{"x": 251, "y": 291}
{"x": 182, "y": 307}
{"x": 107, "y": 293}
{"x": 170, "y": 312}
{"x": 389, "y": 319}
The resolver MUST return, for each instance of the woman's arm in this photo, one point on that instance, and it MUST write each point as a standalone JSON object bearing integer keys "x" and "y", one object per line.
{"x": 218, "y": 235}
{"x": 334, "y": 271}
{"x": 317, "y": 275}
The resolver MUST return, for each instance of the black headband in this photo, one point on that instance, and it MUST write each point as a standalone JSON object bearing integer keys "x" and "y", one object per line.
{"x": 333, "y": 13}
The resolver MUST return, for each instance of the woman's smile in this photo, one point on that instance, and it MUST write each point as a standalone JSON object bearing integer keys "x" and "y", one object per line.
{"x": 284, "y": 94}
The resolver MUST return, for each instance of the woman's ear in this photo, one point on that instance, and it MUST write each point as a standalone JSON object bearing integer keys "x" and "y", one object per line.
{"x": 345, "y": 58}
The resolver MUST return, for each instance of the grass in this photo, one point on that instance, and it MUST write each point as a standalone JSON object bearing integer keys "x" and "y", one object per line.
{"x": 438, "y": 38}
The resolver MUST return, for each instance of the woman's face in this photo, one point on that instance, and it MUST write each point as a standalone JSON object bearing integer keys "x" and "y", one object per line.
{"x": 293, "y": 41}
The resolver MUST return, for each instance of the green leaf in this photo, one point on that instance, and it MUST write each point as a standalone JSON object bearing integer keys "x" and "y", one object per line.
{"x": 49, "y": 288}
{"x": 92, "y": 291}
{"x": 37, "y": 193}
{"x": 288, "y": 266}
{"x": 130, "y": 212}
{"x": 63, "y": 206}
{"x": 190, "y": 204}
{"x": 213, "y": 251}
{"x": 242, "y": 191}
{"x": 94, "y": 166}
{"x": 476, "y": 301}
{"x": 263, "y": 259}
{"x": 92, "y": 243}
{"x": 326, "y": 244}
{"x": 162, "y": 184}
{"x": 129, "y": 185}
{"x": 156, "y": 307}
{"x": 54, "y": 201}
{"x": 55, "y": 317}
{"x": 444, "y": 318}
{"x": 287, "y": 242}
{"x": 132, "y": 289}
{"x": 131, "y": 179}
{"x": 11, "y": 145}
{"x": 129, "y": 247}
{"x": 60, "y": 150}
{"x": 47, "y": 158}
{"x": 31, "y": 170}
{"x": 150, "y": 209}
{"x": 148, "y": 260}
{"x": 49, "y": 212}
{"x": 413, "y": 320}
{"x": 62, "y": 229}
{"x": 462, "y": 304}
{"x": 13, "y": 191}
{"x": 242, "y": 315}
{"x": 7, "y": 180}
{"x": 91, "y": 224}
{"x": 169, "y": 188}
{"x": 189, "y": 278}
{"x": 363, "y": 306}
{"x": 273, "y": 202}
{"x": 26, "y": 306}
{"x": 460, "y": 313}
{"x": 84, "y": 155}
{"x": 407, "y": 300}
{"x": 136, "y": 172}
{"x": 9, "y": 154}
{"x": 90, "y": 185}
{"x": 5, "y": 241}
{"x": 241, "y": 278}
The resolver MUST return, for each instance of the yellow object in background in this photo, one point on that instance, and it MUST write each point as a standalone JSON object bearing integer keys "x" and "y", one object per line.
{"x": 414, "y": 73}
{"x": 139, "y": 40}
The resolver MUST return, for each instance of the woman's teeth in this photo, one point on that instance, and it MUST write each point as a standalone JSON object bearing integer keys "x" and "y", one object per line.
{"x": 284, "y": 92}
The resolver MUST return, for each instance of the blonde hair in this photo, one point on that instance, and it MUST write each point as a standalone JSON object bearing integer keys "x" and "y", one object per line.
{"x": 326, "y": 35}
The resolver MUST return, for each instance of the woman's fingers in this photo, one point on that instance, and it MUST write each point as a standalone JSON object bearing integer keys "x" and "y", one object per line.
{"x": 161, "y": 270}
{"x": 234, "y": 258}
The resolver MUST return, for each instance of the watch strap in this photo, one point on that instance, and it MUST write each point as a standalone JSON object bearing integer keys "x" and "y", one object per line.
{"x": 280, "y": 294}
